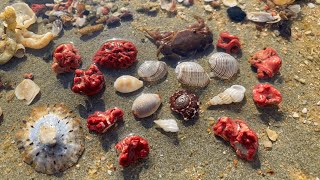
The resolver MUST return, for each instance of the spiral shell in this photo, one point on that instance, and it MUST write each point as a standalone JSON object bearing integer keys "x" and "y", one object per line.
{"x": 145, "y": 105}
{"x": 223, "y": 65}
{"x": 152, "y": 71}
{"x": 234, "y": 93}
{"x": 192, "y": 74}
{"x": 127, "y": 84}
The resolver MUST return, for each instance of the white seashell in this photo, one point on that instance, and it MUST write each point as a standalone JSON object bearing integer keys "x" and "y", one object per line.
{"x": 231, "y": 95}
{"x": 168, "y": 5}
{"x": 230, "y": 3}
{"x": 57, "y": 27}
{"x": 145, "y": 105}
{"x": 20, "y": 51}
{"x": 25, "y": 15}
{"x": 27, "y": 90}
{"x": 223, "y": 65}
{"x": 263, "y": 17}
{"x": 192, "y": 74}
{"x": 152, "y": 71}
{"x": 127, "y": 84}
{"x": 168, "y": 125}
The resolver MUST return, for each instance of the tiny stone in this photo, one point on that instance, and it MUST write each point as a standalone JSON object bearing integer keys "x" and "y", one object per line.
{"x": 267, "y": 144}
{"x": 77, "y": 166}
{"x": 304, "y": 110}
{"x": 273, "y": 136}
{"x": 318, "y": 103}
{"x": 304, "y": 102}
{"x": 315, "y": 123}
{"x": 295, "y": 115}
{"x": 307, "y": 32}
{"x": 224, "y": 152}
{"x": 109, "y": 172}
{"x": 208, "y": 8}
{"x": 311, "y": 5}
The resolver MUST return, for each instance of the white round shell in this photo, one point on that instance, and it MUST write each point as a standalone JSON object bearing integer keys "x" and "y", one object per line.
{"x": 192, "y": 74}
{"x": 152, "y": 71}
{"x": 233, "y": 94}
{"x": 145, "y": 105}
{"x": 223, "y": 65}
{"x": 127, "y": 84}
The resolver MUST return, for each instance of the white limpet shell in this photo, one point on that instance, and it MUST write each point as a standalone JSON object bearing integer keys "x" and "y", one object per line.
{"x": 25, "y": 15}
{"x": 230, "y": 3}
{"x": 168, "y": 125}
{"x": 233, "y": 94}
{"x": 127, "y": 84}
{"x": 145, "y": 105}
{"x": 263, "y": 17}
{"x": 27, "y": 90}
{"x": 192, "y": 74}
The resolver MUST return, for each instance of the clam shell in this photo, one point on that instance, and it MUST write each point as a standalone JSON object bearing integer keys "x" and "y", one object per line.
{"x": 263, "y": 17}
{"x": 27, "y": 90}
{"x": 145, "y": 105}
{"x": 231, "y": 95}
{"x": 223, "y": 65}
{"x": 192, "y": 74}
{"x": 152, "y": 71}
{"x": 168, "y": 125}
{"x": 127, "y": 84}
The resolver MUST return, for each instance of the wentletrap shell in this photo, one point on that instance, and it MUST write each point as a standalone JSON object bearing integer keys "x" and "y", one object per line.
{"x": 223, "y": 65}
{"x": 152, "y": 71}
{"x": 192, "y": 74}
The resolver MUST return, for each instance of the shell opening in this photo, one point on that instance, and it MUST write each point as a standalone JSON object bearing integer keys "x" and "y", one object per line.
{"x": 239, "y": 88}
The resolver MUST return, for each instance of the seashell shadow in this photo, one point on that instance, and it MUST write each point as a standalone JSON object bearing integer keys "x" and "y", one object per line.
{"x": 111, "y": 137}
{"x": 115, "y": 73}
{"x": 90, "y": 107}
{"x": 36, "y": 99}
{"x": 12, "y": 64}
{"x": 132, "y": 172}
{"x": 186, "y": 123}
{"x": 235, "y": 107}
{"x": 233, "y": 78}
{"x": 147, "y": 122}
{"x": 171, "y": 135}
{"x": 134, "y": 93}
{"x": 270, "y": 113}
{"x": 66, "y": 79}
{"x": 237, "y": 55}
{"x": 41, "y": 52}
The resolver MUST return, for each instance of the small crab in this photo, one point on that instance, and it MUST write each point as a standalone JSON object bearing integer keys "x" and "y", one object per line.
{"x": 195, "y": 37}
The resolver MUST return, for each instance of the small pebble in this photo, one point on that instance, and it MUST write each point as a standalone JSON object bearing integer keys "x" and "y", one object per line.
{"x": 28, "y": 76}
{"x": 304, "y": 110}
{"x": 311, "y": 5}
{"x": 267, "y": 144}
{"x": 273, "y": 136}
{"x": 208, "y": 8}
{"x": 295, "y": 115}
{"x": 318, "y": 103}
{"x": 109, "y": 172}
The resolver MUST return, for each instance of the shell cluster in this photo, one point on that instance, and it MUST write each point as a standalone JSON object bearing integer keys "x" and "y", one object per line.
{"x": 153, "y": 71}
{"x": 233, "y": 94}
{"x": 192, "y": 74}
{"x": 223, "y": 65}
{"x": 52, "y": 139}
{"x": 127, "y": 84}
{"x": 145, "y": 105}
{"x": 185, "y": 103}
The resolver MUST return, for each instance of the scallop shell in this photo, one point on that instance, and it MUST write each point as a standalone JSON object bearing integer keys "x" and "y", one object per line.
{"x": 231, "y": 95}
{"x": 152, "y": 71}
{"x": 145, "y": 105}
{"x": 27, "y": 90}
{"x": 192, "y": 74}
{"x": 223, "y": 65}
{"x": 127, "y": 84}
{"x": 168, "y": 125}
{"x": 263, "y": 17}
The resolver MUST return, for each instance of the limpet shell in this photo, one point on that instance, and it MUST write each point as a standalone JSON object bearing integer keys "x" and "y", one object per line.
{"x": 127, "y": 84}
{"x": 192, "y": 74}
{"x": 152, "y": 71}
{"x": 223, "y": 65}
{"x": 145, "y": 105}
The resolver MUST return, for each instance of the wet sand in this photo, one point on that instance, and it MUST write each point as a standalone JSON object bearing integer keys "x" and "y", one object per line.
{"x": 194, "y": 152}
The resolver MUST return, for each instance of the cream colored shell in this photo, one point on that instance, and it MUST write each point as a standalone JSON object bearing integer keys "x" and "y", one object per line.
{"x": 127, "y": 84}
{"x": 231, "y": 95}
{"x": 145, "y": 105}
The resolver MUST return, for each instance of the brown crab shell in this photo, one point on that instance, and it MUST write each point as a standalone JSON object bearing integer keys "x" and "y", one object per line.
{"x": 185, "y": 103}
{"x": 55, "y": 155}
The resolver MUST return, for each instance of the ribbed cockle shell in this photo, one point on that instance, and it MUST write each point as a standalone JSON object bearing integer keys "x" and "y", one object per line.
{"x": 223, "y": 65}
{"x": 127, "y": 84}
{"x": 152, "y": 71}
{"x": 231, "y": 95}
{"x": 192, "y": 74}
{"x": 145, "y": 105}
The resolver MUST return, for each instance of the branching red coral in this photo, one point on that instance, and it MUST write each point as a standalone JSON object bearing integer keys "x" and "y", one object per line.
{"x": 266, "y": 95}
{"x": 66, "y": 58}
{"x": 116, "y": 54}
{"x": 88, "y": 82}
{"x": 131, "y": 149}
{"x": 102, "y": 121}
{"x": 228, "y": 42}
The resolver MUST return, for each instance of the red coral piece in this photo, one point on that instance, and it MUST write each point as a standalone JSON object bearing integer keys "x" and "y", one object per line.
{"x": 116, "y": 54}
{"x": 66, "y": 58}
{"x": 102, "y": 121}
{"x": 38, "y": 8}
{"x": 88, "y": 82}
{"x": 241, "y": 137}
{"x": 267, "y": 62}
{"x": 228, "y": 42}
{"x": 131, "y": 149}
{"x": 266, "y": 95}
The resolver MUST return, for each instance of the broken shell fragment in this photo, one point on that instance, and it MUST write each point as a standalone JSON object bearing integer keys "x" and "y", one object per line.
{"x": 24, "y": 15}
{"x": 27, "y": 90}
{"x": 52, "y": 139}
{"x": 263, "y": 17}
{"x": 192, "y": 74}
{"x": 273, "y": 136}
{"x": 168, "y": 125}
{"x": 127, "y": 84}
{"x": 152, "y": 71}
{"x": 145, "y": 105}
{"x": 231, "y": 95}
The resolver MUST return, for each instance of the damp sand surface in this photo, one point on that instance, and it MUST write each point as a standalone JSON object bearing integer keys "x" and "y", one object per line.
{"x": 194, "y": 152}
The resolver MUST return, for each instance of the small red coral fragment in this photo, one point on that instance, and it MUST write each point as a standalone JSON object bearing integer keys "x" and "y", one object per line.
{"x": 266, "y": 95}
{"x": 38, "y": 8}
{"x": 66, "y": 58}
{"x": 116, "y": 54}
{"x": 102, "y": 121}
{"x": 88, "y": 82}
{"x": 267, "y": 62}
{"x": 241, "y": 137}
{"x": 228, "y": 42}
{"x": 131, "y": 149}
{"x": 28, "y": 76}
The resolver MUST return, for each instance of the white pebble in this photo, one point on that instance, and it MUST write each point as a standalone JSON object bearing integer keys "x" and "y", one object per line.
{"x": 109, "y": 172}
{"x": 311, "y": 5}
{"x": 304, "y": 110}
{"x": 318, "y": 103}
{"x": 315, "y": 123}
{"x": 295, "y": 115}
